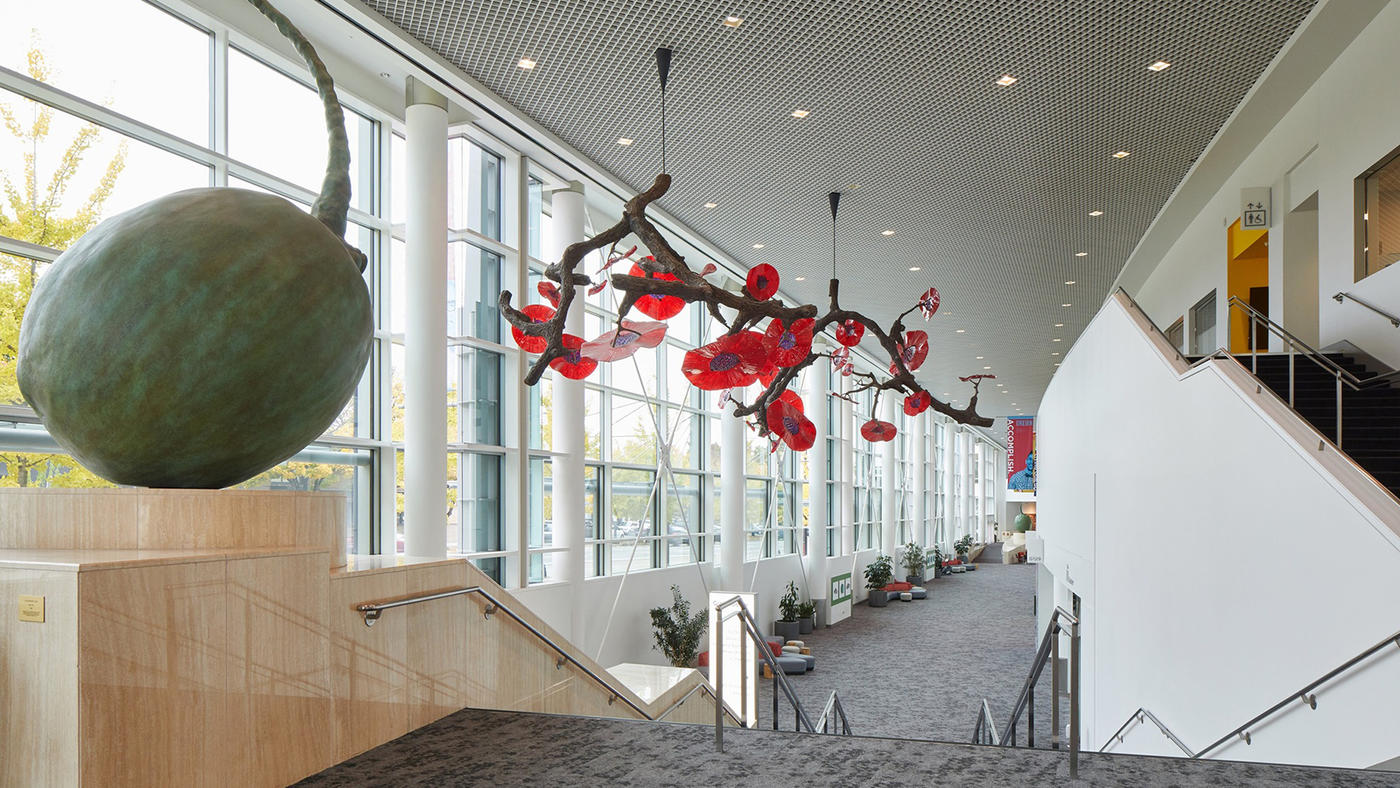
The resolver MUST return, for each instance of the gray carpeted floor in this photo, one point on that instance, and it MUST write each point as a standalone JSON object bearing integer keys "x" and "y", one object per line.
{"x": 921, "y": 669}
{"x": 474, "y": 747}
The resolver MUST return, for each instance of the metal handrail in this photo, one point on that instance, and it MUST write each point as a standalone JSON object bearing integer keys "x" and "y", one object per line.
{"x": 834, "y": 704}
{"x": 371, "y": 611}
{"x": 986, "y": 730}
{"x": 1306, "y": 695}
{"x": 1048, "y": 651}
{"x": 1317, "y": 356}
{"x": 1394, "y": 321}
{"x": 750, "y": 627}
{"x": 1138, "y": 717}
{"x": 703, "y": 686}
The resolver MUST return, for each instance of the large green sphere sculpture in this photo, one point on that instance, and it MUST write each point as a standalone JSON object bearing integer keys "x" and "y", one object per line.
{"x": 203, "y": 337}
{"x": 1023, "y": 523}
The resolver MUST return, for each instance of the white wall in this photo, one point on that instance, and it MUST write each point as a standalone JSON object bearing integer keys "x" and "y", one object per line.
{"x": 1220, "y": 562}
{"x": 1346, "y": 122}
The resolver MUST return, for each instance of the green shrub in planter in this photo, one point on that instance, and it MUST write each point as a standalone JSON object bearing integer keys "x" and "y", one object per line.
{"x": 914, "y": 560}
{"x": 677, "y": 632}
{"x": 878, "y": 574}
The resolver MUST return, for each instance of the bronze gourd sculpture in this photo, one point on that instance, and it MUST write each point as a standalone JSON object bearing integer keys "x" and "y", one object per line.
{"x": 205, "y": 336}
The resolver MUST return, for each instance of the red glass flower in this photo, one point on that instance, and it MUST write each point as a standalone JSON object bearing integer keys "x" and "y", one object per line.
{"x": 762, "y": 281}
{"x": 767, "y": 373}
{"x": 841, "y": 361}
{"x": 849, "y": 332}
{"x": 876, "y": 431}
{"x": 789, "y": 344}
{"x": 928, "y": 302}
{"x": 792, "y": 398}
{"x": 658, "y": 307}
{"x": 914, "y": 404}
{"x": 623, "y": 342}
{"x": 790, "y": 425}
{"x": 550, "y": 291}
{"x": 538, "y": 313}
{"x": 913, "y": 350}
{"x": 733, "y": 360}
{"x": 574, "y": 365}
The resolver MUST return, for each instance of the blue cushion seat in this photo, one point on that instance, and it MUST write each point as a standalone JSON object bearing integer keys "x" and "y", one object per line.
{"x": 792, "y": 663}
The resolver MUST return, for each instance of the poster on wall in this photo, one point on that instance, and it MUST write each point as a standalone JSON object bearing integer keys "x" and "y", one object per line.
{"x": 841, "y": 593}
{"x": 1020, "y": 454}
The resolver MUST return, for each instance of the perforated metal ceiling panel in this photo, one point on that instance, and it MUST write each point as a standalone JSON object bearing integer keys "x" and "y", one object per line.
{"x": 988, "y": 188}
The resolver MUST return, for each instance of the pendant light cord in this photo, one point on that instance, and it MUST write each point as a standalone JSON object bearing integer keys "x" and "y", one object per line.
{"x": 663, "y": 130}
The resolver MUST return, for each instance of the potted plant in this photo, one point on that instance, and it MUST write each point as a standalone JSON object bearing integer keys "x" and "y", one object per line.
{"x": 786, "y": 627}
{"x": 878, "y": 574}
{"x": 677, "y": 632}
{"x": 806, "y": 617}
{"x": 914, "y": 562}
{"x": 938, "y": 559}
{"x": 963, "y": 545}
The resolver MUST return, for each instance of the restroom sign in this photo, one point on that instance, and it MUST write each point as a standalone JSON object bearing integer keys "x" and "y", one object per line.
{"x": 1254, "y": 208}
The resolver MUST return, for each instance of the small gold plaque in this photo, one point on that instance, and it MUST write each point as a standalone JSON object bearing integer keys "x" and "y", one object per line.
{"x": 31, "y": 608}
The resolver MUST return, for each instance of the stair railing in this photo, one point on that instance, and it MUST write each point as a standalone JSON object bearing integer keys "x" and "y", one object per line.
{"x": 1061, "y": 622}
{"x": 1394, "y": 321}
{"x": 1296, "y": 346}
{"x": 1307, "y": 696}
{"x": 751, "y": 636}
{"x": 832, "y": 714}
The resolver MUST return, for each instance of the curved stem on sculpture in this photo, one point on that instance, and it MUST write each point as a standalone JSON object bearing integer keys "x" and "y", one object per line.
{"x": 333, "y": 203}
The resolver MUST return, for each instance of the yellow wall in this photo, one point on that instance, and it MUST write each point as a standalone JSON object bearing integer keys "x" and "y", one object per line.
{"x": 1248, "y": 268}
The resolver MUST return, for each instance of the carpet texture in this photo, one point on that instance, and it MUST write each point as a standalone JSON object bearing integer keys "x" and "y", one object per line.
{"x": 495, "y": 748}
{"x": 921, "y": 669}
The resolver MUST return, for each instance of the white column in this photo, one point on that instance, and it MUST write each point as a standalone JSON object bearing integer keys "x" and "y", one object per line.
{"x": 817, "y": 403}
{"x": 731, "y": 499}
{"x": 968, "y": 494}
{"x": 848, "y": 490}
{"x": 568, "y": 428}
{"x": 918, "y": 533}
{"x": 425, "y": 329}
{"x": 950, "y": 452}
{"x": 889, "y": 525}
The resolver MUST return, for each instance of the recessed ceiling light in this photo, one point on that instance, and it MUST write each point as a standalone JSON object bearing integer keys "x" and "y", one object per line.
{"x": 946, "y": 394}
{"x": 887, "y": 232}
{"x": 733, "y": 21}
{"x": 979, "y": 358}
{"x": 1006, "y": 79}
{"x": 1056, "y": 339}
{"x": 800, "y": 113}
{"x": 801, "y": 278}
{"x": 1056, "y": 353}
{"x": 1066, "y": 305}
{"x": 913, "y": 268}
{"x": 1081, "y": 254}
{"x": 1069, "y": 281}
{"x": 987, "y": 367}
{"x": 624, "y": 140}
{"x": 1057, "y": 363}
{"x": 1001, "y": 385}
{"x": 711, "y": 204}
{"x": 1059, "y": 325}
{"x": 526, "y": 63}
{"x": 1120, "y": 154}
{"x": 758, "y": 246}
{"x": 853, "y": 186}
{"x": 1096, "y": 213}
{"x": 1160, "y": 65}
{"x": 962, "y": 331}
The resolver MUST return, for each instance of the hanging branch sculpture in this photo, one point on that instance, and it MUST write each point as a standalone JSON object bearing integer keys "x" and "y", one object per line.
{"x": 661, "y": 283}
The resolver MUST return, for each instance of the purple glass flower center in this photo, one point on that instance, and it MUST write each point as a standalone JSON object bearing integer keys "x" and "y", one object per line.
{"x": 787, "y": 341}
{"x": 624, "y": 338}
{"x": 762, "y": 283}
{"x": 573, "y": 357}
{"x": 724, "y": 362}
{"x": 790, "y": 424}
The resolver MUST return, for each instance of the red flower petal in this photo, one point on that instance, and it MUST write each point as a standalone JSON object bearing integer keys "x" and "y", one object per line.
{"x": 573, "y": 366}
{"x": 792, "y": 398}
{"x": 929, "y": 301}
{"x": 768, "y": 372}
{"x": 733, "y": 360}
{"x": 709, "y": 268}
{"x": 762, "y": 281}
{"x": 790, "y": 425}
{"x": 876, "y": 431}
{"x": 914, "y": 404}
{"x": 621, "y": 343}
{"x": 658, "y": 307}
{"x": 849, "y": 332}
{"x": 538, "y": 313}
{"x": 789, "y": 344}
{"x": 913, "y": 350}
{"x": 551, "y": 293}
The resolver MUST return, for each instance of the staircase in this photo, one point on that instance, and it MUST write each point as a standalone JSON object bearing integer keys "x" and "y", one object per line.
{"x": 1370, "y": 415}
